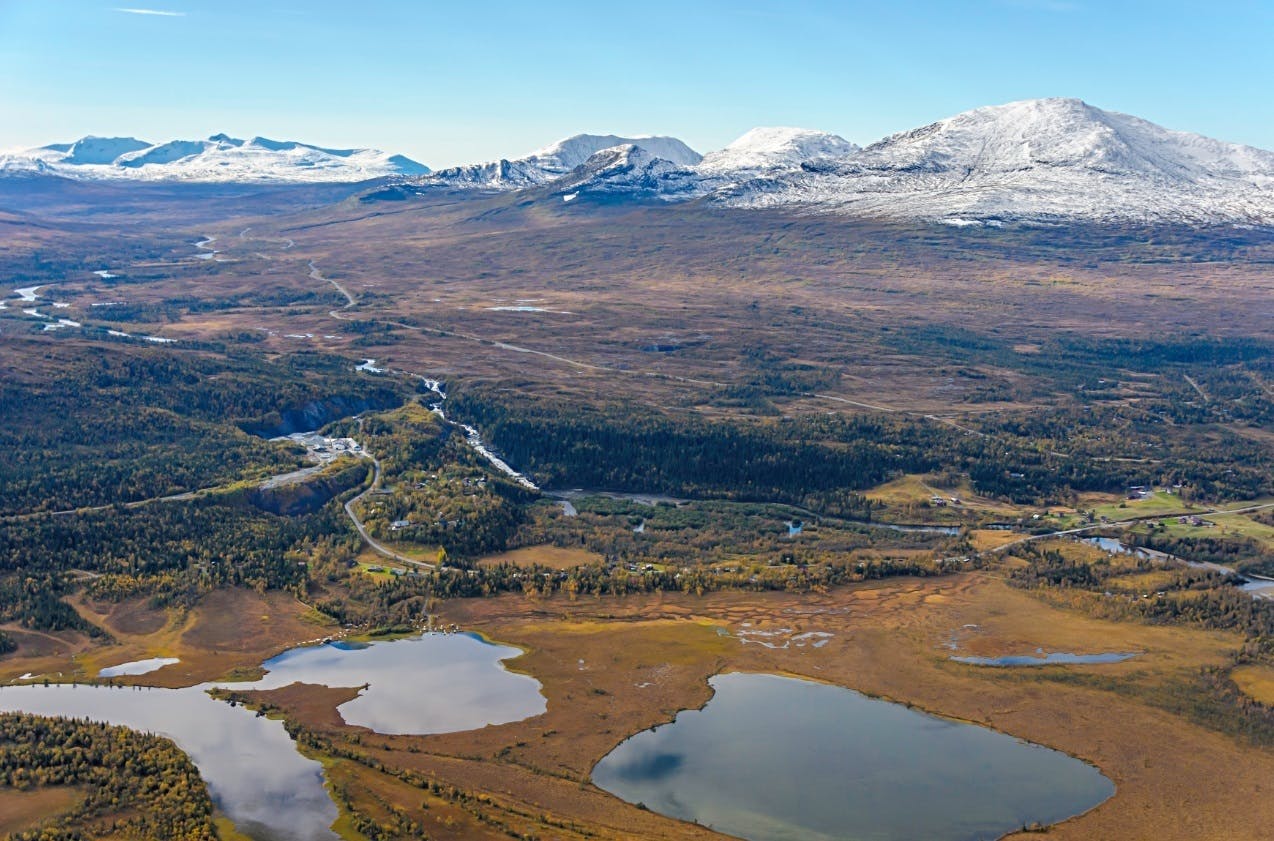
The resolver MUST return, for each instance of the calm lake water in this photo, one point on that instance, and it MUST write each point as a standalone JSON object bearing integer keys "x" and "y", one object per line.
{"x": 1055, "y": 658}
{"x": 138, "y": 667}
{"x": 251, "y": 766}
{"x": 778, "y": 759}
{"x": 433, "y": 683}
{"x": 1116, "y": 547}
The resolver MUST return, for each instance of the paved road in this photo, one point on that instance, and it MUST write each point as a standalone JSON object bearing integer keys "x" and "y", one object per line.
{"x": 377, "y": 546}
{"x": 349, "y": 299}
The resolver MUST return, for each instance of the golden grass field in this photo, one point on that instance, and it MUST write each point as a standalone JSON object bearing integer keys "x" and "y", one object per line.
{"x": 553, "y": 557}
{"x": 613, "y": 666}
{"x": 229, "y": 631}
{"x": 1257, "y": 682}
{"x": 23, "y": 810}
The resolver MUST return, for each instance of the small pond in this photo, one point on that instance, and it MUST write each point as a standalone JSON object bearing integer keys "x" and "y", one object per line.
{"x": 138, "y": 667}
{"x": 1117, "y": 547}
{"x": 1055, "y": 658}
{"x": 772, "y": 758}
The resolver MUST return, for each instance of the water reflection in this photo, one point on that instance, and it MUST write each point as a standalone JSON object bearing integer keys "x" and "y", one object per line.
{"x": 433, "y": 683}
{"x": 773, "y": 758}
{"x": 1056, "y": 658}
{"x": 138, "y": 667}
{"x": 249, "y": 763}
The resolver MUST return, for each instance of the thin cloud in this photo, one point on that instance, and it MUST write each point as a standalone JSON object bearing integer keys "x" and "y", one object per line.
{"x": 159, "y": 12}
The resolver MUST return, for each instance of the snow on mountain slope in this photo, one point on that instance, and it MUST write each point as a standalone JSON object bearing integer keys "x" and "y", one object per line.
{"x": 171, "y": 152}
{"x": 101, "y": 150}
{"x": 1061, "y": 133}
{"x": 776, "y": 148}
{"x": 219, "y": 158}
{"x": 627, "y": 170}
{"x": 554, "y": 161}
{"x": 1038, "y": 159}
{"x": 593, "y": 164}
{"x": 573, "y": 151}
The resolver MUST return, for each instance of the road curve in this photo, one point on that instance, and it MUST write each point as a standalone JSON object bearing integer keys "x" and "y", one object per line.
{"x": 377, "y": 546}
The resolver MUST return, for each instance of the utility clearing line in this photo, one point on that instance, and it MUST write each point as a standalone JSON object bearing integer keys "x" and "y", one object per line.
{"x": 1196, "y": 387}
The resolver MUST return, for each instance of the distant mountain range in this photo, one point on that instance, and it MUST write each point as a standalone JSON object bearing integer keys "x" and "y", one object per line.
{"x": 1038, "y": 160}
{"x": 556, "y": 161}
{"x": 1044, "y": 160}
{"x": 220, "y": 158}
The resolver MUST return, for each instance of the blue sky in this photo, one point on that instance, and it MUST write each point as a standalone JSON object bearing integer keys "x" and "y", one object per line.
{"x": 454, "y": 82}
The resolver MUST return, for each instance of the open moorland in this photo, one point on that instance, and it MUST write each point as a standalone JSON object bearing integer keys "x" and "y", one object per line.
{"x": 646, "y": 445}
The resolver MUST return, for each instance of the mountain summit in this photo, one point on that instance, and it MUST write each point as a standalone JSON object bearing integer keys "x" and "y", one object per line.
{"x": 1038, "y": 159}
{"x": 777, "y": 147}
{"x": 1061, "y": 134}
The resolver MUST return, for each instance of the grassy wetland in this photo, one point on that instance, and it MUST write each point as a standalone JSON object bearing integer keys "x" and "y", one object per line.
{"x": 841, "y": 451}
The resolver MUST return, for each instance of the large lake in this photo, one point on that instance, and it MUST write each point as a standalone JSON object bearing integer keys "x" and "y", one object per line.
{"x": 432, "y": 683}
{"x": 779, "y": 759}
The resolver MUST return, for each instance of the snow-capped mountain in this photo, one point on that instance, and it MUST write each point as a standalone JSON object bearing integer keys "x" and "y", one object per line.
{"x": 776, "y": 148}
{"x": 646, "y": 166}
{"x": 97, "y": 150}
{"x": 627, "y": 170}
{"x": 554, "y": 161}
{"x": 1037, "y": 159}
{"x": 219, "y": 158}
